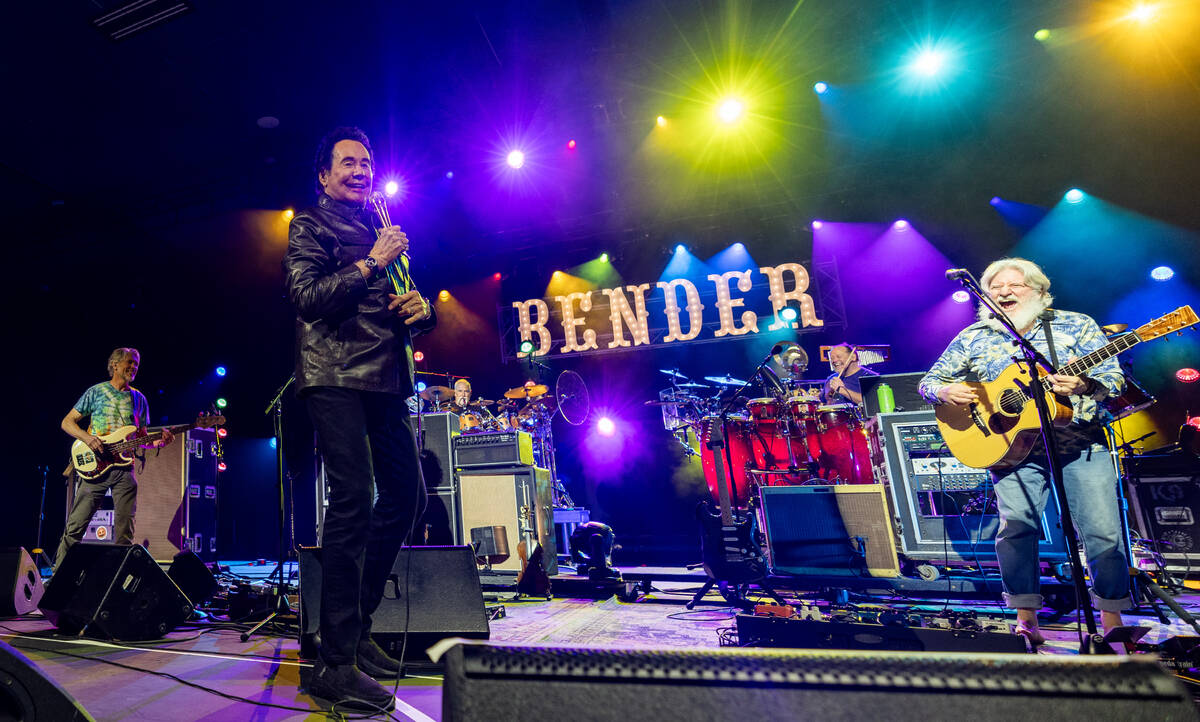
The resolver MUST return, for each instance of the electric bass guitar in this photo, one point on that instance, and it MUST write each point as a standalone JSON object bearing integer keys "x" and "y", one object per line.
{"x": 1002, "y": 427}
{"x": 120, "y": 445}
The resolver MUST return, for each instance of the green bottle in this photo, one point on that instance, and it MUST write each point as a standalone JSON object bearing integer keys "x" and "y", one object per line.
{"x": 887, "y": 400}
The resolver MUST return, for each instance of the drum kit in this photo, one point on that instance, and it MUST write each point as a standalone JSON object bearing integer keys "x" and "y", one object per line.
{"x": 784, "y": 437}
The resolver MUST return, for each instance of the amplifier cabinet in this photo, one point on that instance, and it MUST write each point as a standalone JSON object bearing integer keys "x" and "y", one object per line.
{"x": 944, "y": 510}
{"x": 440, "y": 430}
{"x": 177, "y": 498}
{"x": 494, "y": 448}
{"x": 516, "y": 498}
{"x": 1166, "y": 502}
{"x": 843, "y": 529}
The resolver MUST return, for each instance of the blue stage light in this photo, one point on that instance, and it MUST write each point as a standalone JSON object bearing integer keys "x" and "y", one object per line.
{"x": 788, "y": 314}
{"x": 1162, "y": 273}
{"x": 220, "y": 371}
{"x": 820, "y": 88}
{"x": 681, "y": 248}
{"x": 1073, "y": 196}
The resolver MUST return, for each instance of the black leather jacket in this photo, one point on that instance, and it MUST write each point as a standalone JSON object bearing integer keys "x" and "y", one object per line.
{"x": 345, "y": 336}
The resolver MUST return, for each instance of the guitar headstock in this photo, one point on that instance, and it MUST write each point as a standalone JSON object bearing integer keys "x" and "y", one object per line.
{"x": 1176, "y": 320}
{"x": 208, "y": 421}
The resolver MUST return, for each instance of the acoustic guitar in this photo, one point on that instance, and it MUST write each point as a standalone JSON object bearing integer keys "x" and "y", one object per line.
{"x": 1002, "y": 427}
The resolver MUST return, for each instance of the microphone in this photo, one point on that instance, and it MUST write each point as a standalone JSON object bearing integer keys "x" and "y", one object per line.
{"x": 957, "y": 274}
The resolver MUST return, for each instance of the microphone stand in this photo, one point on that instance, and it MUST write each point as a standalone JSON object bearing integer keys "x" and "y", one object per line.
{"x": 281, "y": 606}
{"x": 1093, "y": 643}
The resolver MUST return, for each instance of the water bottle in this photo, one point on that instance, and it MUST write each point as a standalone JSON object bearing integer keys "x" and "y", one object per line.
{"x": 886, "y": 399}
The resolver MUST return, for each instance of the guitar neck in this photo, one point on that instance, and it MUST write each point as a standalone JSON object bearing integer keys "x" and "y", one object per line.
{"x": 122, "y": 446}
{"x": 1081, "y": 366}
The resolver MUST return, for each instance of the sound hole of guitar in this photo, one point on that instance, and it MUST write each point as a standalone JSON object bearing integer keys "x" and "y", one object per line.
{"x": 1012, "y": 402}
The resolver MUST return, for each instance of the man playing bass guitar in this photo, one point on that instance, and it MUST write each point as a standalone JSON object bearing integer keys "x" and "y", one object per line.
{"x": 985, "y": 350}
{"x": 110, "y": 405}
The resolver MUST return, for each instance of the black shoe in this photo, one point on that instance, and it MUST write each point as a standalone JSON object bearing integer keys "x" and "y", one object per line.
{"x": 376, "y": 662}
{"x": 346, "y": 686}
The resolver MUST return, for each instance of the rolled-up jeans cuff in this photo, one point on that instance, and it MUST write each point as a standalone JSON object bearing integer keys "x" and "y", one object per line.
{"x": 1023, "y": 601}
{"x": 1111, "y": 605}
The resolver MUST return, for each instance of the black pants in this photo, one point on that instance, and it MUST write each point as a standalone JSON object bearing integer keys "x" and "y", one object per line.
{"x": 362, "y": 436}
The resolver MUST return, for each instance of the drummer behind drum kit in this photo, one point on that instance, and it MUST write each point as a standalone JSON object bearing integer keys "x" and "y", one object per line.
{"x": 786, "y": 438}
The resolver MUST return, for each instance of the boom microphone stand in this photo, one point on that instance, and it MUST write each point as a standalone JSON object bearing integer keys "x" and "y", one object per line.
{"x": 281, "y": 602}
{"x": 1093, "y": 643}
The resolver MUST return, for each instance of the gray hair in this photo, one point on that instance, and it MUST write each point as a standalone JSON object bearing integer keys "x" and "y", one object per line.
{"x": 120, "y": 354}
{"x": 1032, "y": 273}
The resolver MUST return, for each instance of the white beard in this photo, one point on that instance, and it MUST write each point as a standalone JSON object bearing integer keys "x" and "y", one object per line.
{"x": 1022, "y": 316}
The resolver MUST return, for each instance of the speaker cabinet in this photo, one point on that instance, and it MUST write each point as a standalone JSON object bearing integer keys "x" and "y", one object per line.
{"x": 432, "y": 593}
{"x": 21, "y": 585}
{"x": 844, "y": 529}
{"x": 177, "y": 498}
{"x": 495, "y": 682}
{"x": 27, "y": 694}
{"x": 113, "y": 592}
{"x": 440, "y": 429}
{"x": 518, "y": 499}
{"x": 1166, "y": 500}
{"x": 193, "y": 578}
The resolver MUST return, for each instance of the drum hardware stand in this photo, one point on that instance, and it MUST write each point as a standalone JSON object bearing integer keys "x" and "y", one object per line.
{"x": 281, "y": 606}
{"x": 1093, "y": 642}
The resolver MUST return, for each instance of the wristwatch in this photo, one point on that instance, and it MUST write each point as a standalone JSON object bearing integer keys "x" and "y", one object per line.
{"x": 371, "y": 264}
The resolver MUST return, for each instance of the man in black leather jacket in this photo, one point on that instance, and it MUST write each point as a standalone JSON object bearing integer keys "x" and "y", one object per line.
{"x": 356, "y": 309}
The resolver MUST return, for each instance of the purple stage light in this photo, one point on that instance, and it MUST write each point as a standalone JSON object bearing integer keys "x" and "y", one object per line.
{"x": 605, "y": 426}
{"x": 449, "y": 175}
{"x": 900, "y": 225}
{"x": 816, "y": 225}
{"x": 961, "y": 296}
{"x": 391, "y": 188}
{"x": 995, "y": 200}
{"x": 515, "y": 159}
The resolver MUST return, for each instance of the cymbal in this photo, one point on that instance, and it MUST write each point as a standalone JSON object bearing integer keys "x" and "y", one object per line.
{"x": 1114, "y": 328}
{"x": 692, "y": 385}
{"x": 673, "y": 373}
{"x": 437, "y": 393}
{"x": 482, "y": 402}
{"x": 546, "y": 400}
{"x": 672, "y": 402}
{"x": 526, "y": 392}
{"x": 724, "y": 380}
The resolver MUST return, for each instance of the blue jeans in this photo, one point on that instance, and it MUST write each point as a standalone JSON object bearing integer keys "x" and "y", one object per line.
{"x": 1091, "y": 486}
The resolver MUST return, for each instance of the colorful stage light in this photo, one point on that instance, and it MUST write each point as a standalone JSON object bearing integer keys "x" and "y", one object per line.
{"x": 391, "y": 188}
{"x": 273, "y": 442}
{"x": 571, "y": 144}
{"x": 222, "y": 432}
{"x": 222, "y": 403}
{"x": 1188, "y": 375}
{"x": 515, "y": 159}
{"x": 418, "y": 356}
{"x": 730, "y": 110}
{"x": 221, "y": 371}
{"x": 995, "y": 200}
{"x": 961, "y": 296}
{"x": 819, "y": 88}
{"x": 681, "y": 248}
{"x": 604, "y": 257}
{"x": 816, "y": 225}
{"x": 661, "y": 121}
{"x": 1143, "y": 13}
{"x": 928, "y": 62}
{"x": 605, "y": 426}
{"x": 497, "y": 276}
{"x": 788, "y": 314}
{"x": 1194, "y": 421}
{"x": 443, "y": 295}
{"x": 221, "y": 466}
{"x": 1073, "y": 196}
{"x": 900, "y": 225}
{"x": 449, "y": 175}
{"x": 420, "y": 386}
{"x": 288, "y": 213}
{"x": 526, "y": 347}
{"x": 1162, "y": 273}
{"x": 1042, "y": 35}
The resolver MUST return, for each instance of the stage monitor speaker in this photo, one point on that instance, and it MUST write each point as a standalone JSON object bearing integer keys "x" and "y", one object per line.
{"x": 113, "y": 592}
{"x": 193, "y": 578}
{"x": 839, "y": 530}
{"x": 28, "y": 695}
{"x": 444, "y": 599}
{"x": 485, "y": 681}
{"x": 177, "y": 498}
{"x": 518, "y": 499}
{"x": 21, "y": 585}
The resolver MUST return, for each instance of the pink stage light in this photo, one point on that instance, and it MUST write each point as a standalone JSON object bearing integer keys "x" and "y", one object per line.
{"x": 1188, "y": 375}
{"x": 605, "y": 426}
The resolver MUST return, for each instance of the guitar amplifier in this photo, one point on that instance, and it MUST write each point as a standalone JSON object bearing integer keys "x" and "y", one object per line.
{"x": 518, "y": 499}
{"x": 835, "y": 530}
{"x": 1166, "y": 501}
{"x": 494, "y": 448}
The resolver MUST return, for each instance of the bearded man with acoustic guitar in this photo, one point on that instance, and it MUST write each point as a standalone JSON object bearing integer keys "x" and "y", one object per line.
{"x": 109, "y": 405}
{"x": 985, "y": 350}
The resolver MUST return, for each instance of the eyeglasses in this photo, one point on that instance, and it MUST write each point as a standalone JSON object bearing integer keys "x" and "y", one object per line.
{"x": 1014, "y": 287}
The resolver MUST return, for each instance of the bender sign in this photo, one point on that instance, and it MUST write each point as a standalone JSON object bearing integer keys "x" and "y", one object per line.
{"x": 667, "y": 312}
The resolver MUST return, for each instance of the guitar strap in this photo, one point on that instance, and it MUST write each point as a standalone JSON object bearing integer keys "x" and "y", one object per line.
{"x": 1045, "y": 317}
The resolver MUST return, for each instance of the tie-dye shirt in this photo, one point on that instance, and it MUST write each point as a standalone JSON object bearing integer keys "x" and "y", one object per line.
{"x": 111, "y": 409}
{"x": 985, "y": 352}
